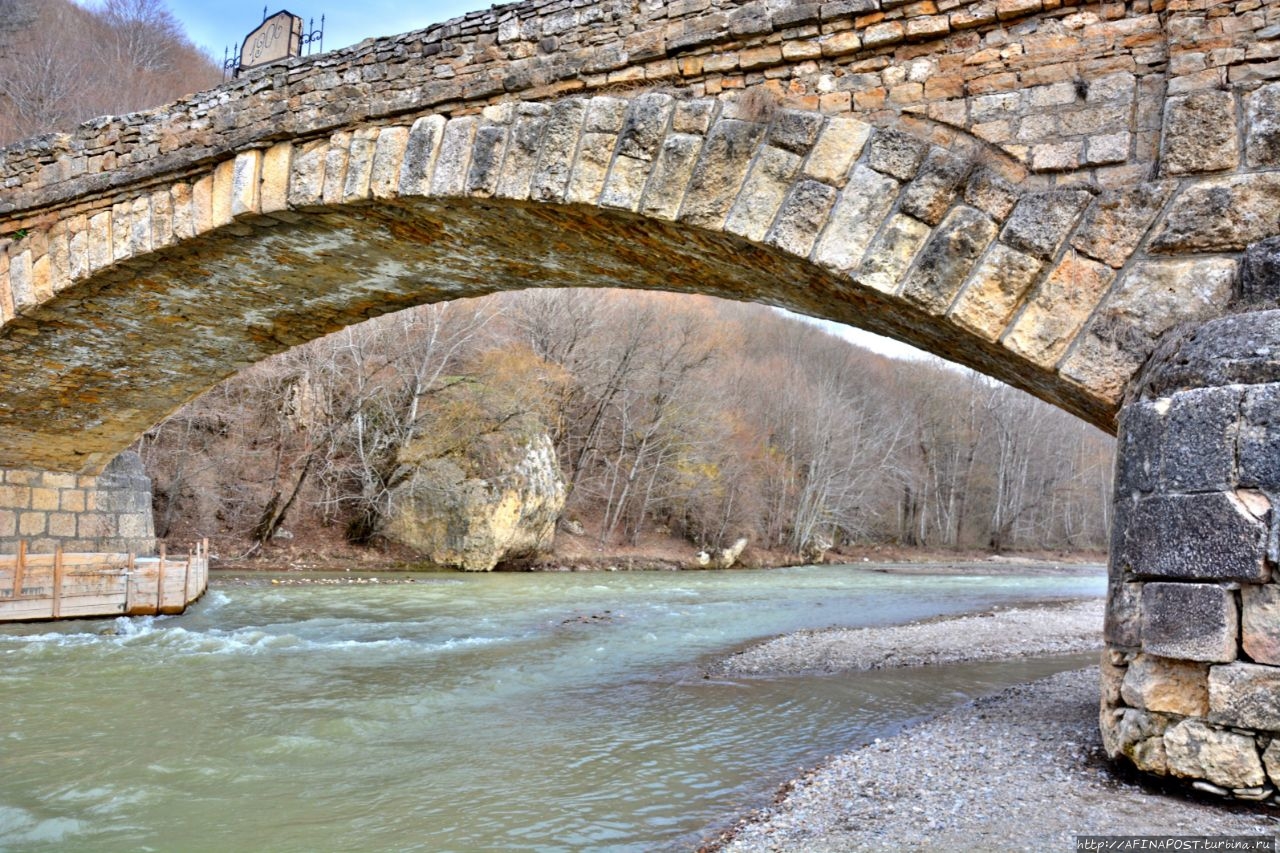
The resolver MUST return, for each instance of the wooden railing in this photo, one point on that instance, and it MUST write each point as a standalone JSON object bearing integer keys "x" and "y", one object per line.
{"x": 65, "y": 585}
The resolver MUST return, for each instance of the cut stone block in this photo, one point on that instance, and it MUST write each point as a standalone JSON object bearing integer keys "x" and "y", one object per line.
{"x": 1171, "y": 686}
{"x": 1198, "y": 448}
{"x": 1215, "y": 536}
{"x": 1245, "y": 695}
{"x": 1123, "y": 625}
{"x": 1138, "y": 453}
{"x": 1260, "y": 622}
{"x": 1190, "y": 621}
{"x": 1259, "y": 441}
{"x": 1200, "y": 133}
{"x": 1197, "y": 751}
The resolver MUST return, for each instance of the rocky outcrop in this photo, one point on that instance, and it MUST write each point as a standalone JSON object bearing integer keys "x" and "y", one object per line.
{"x": 473, "y": 513}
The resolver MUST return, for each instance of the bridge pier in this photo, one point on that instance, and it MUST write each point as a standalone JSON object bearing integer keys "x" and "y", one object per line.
{"x": 110, "y": 512}
{"x": 1191, "y": 671}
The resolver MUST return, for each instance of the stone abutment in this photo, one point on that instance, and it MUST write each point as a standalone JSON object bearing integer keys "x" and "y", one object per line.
{"x": 1191, "y": 671}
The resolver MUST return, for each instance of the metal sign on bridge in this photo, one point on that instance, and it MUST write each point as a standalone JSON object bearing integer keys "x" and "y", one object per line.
{"x": 279, "y": 36}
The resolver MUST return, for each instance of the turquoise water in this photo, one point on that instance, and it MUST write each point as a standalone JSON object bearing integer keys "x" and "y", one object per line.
{"x": 458, "y": 712}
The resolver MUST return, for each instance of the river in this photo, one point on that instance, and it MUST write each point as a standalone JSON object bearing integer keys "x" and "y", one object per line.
{"x": 458, "y": 712}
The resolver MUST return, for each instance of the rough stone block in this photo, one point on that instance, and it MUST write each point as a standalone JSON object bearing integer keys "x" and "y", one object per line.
{"x": 762, "y": 195}
{"x": 1170, "y": 686}
{"x": 62, "y": 525}
{"x": 721, "y": 168}
{"x": 1260, "y": 622}
{"x": 1122, "y": 624}
{"x": 1260, "y": 274}
{"x": 1041, "y": 221}
{"x": 889, "y": 258}
{"x": 71, "y": 500}
{"x": 246, "y": 183}
{"x": 802, "y": 216}
{"x": 671, "y": 173}
{"x": 590, "y": 168}
{"x": 1059, "y": 308}
{"x": 995, "y": 290}
{"x": 336, "y": 159}
{"x": 32, "y": 523}
{"x": 1259, "y": 439}
{"x": 1262, "y": 126}
{"x": 559, "y": 142}
{"x": 1198, "y": 447}
{"x": 991, "y": 193}
{"x": 1200, "y": 133}
{"x": 840, "y": 143}
{"x": 1155, "y": 296}
{"x": 948, "y": 258}
{"x": 1112, "y": 679}
{"x": 44, "y": 499}
{"x": 1139, "y": 439}
{"x": 1189, "y": 621}
{"x": 1216, "y": 536}
{"x": 522, "y": 154}
{"x": 856, "y": 218}
{"x": 276, "y": 167}
{"x": 420, "y": 154}
{"x": 1116, "y": 221}
{"x": 895, "y": 153}
{"x": 1236, "y": 349}
{"x": 1221, "y": 215}
{"x": 1271, "y": 761}
{"x": 454, "y": 159}
{"x": 1197, "y": 751}
{"x": 795, "y": 130}
{"x": 935, "y": 187}
{"x": 626, "y": 184}
{"x": 1245, "y": 695}
{"x": 645, "y": 125}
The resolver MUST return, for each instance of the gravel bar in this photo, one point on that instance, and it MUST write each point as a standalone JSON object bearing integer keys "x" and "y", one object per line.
{"x": 1048, "y": 629}
{"x": 1020, "y": 770}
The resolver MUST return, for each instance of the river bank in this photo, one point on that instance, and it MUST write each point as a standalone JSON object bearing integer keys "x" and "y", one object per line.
{"x": 1023, "y": 769}
{"x": 319, "y": 551}
{"x": 1051, "y": 628}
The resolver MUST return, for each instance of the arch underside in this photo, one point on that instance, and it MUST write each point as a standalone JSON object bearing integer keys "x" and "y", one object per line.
{"x": 91, "y": 369}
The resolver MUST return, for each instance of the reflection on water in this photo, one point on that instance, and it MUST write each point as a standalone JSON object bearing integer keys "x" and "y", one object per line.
{"x": 517, "y": 712}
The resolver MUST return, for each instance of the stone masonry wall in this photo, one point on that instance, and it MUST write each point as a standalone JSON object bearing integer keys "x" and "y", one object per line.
{"x": 1057, "y": 86}
{"x": 1192, "y": 668}
{"x": 107, "y": 513}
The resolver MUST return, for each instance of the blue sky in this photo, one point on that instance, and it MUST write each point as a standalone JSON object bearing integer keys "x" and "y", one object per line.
{"x": 214, "y": 26}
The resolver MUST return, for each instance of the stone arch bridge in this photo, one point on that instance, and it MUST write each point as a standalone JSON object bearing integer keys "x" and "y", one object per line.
{"x": 1063, "y": 196}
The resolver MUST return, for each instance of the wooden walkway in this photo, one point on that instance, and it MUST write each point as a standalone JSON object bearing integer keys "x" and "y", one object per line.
{"x": 65, "y": 585}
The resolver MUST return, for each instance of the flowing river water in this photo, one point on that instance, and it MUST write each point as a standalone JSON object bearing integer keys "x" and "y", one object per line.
{"x": 457, "y": 712}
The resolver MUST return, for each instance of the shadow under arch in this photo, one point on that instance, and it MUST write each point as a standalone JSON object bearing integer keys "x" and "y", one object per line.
{"x": 89, "y": 370}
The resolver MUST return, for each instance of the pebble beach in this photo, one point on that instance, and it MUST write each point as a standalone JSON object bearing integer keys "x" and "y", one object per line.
{"x": 1023, "y": 769}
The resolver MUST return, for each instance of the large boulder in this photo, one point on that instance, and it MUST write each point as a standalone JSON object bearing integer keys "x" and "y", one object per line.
{"x": 472, "y": 513}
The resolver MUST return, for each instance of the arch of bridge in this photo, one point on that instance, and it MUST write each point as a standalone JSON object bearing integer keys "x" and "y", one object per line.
{"x": 1035, "y": 190}
{"x": 1023, "y": 186}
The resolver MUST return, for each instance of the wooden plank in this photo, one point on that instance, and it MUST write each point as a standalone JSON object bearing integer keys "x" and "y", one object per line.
{"x": 128, "y": 586}
{"x": 19, "y": 568}
{"x": 160, "y": 582}
{"x": 186, "y": 579}
{"x": 57, "y": 582}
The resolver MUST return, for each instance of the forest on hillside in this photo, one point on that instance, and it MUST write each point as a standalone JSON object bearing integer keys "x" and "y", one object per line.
{"x": 684, "y": 415}
{"x": 62, "y": 64}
